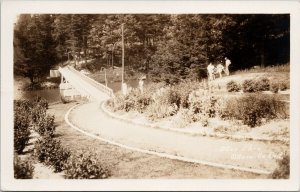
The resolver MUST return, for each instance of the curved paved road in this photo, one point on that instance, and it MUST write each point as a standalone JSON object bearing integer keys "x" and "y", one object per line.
{"x": 248, "y": 154}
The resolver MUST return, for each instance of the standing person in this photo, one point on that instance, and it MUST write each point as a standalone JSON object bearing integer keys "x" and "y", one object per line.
{"x": 210, "y": 71}
{"x": 227, "y": 63}
{"x": 220, "y": 69}
{"x": 141, "y": 84}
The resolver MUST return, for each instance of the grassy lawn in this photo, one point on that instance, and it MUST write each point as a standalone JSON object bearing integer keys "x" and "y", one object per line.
{"x": 124, "y": 163}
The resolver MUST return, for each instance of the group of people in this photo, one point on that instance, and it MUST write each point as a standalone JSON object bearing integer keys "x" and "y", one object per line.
{"x": 213, "y": 71}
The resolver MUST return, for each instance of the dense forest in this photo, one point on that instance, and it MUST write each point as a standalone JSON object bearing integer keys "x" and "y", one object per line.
{"x": 159, "y": 45}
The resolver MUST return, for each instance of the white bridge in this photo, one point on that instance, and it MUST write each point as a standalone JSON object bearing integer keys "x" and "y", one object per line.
{"x": 74, "y": 85}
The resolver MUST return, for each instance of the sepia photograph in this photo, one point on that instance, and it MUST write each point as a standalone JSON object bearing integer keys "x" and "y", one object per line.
{"x": 150, "y": 95}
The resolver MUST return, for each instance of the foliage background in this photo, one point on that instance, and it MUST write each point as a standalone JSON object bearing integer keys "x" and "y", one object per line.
{"x": 163, "y": 46}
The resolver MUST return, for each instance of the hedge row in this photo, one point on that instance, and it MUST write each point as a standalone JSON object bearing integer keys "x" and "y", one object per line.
{"x": 257, "y": 85}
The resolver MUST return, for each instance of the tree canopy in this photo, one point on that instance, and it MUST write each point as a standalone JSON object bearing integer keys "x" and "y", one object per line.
{"x": 160, "y": 45}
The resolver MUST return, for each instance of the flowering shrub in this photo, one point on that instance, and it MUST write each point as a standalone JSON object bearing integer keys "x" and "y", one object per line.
{"x": 161, "y": 110}
{"x": 202, "y": 106}
{"x": 22, "y": 169}
{"x": 233, "y": 86}
{"x": 134, "y": 101}
{"x": 84, "y": 166}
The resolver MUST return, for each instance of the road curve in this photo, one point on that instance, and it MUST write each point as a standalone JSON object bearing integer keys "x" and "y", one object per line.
{"x": 260, "y": 157}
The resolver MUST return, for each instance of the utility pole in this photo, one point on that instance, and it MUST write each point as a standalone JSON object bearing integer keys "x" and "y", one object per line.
{"x": 105, "y": 77}
{"x": 122, "y": 53}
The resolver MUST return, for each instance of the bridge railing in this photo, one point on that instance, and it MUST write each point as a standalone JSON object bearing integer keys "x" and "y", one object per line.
{"x": 65, "y": 73}
{"x": 98, "y": 85}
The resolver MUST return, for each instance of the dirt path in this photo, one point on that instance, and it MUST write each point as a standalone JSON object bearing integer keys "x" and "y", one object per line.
{"x": 124, "y": 163}
{"x": 247, "y": 154}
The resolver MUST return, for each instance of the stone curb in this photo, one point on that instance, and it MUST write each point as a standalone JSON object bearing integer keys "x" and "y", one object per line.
{"x": 216, "y": 135}
{"x": 165, "y": 155}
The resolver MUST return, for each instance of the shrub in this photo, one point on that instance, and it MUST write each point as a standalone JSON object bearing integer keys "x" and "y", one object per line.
{"x": 38, "y": 112}
{"x": 84, "y": 166}
{"x": 262, "y": 84}
{"x": 284, "y": 85}
{"x": 249, "y": 85}
{"x": 41, "y": 102}
{"x": 201, "y": 106}
{"x": 45, "y": 125}
{"x": 39, "y": 109}
{"x": 21, "y": 130}
{"x": 22, "y": 105}
{"x": 185, "y": 88}
{"x": 49, "y": 151}
{"x": 161, "y": 110}
{"x": 274, "y": 87}
{"x": 134, "y": 101}
{"x": 283, "y": 169}
{"x": 22, "y": 169}
{"x": 233, "y": 86}
{"x": 252, "y": 109}
{"x": 142, "y": 102}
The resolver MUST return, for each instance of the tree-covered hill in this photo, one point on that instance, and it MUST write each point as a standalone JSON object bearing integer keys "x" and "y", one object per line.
{"x": 160, "y": 45}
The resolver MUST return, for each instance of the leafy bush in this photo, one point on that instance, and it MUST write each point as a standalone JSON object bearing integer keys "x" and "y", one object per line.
{"x": 252, "y": 109}
{"x": 21, "y": 129}
{"x": 249, "y": 85}
{"x": 22, "y": 105}
{"x": 134, "y": 101}
{"x": 274, "y": 87}
{"x": 233, "y": 86}
{"x": 142, "y": 102}
{"x": 262, "y": 84}
{"x": 22, "y": 169}
{"x": 41, "y": 102}
{"x": 184, "y": 90}
{"x": 283, "y": 169}
{"x": 49, "y": 151}
{"x": 37, "y": 113}
{"x": 284, "y": 85}
{"x": 45, "y": 125}
{"x": 161, "y": 110}
{"x": 201, "y": 106}
{"x": 84, "y": 166}
{"x": 39, "y": 109}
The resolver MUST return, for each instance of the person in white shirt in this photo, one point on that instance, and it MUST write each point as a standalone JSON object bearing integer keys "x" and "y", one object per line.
{"x": 210, "y": 71}
{"x": 220, "y": 69}
{"x": 227, "y": 63}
